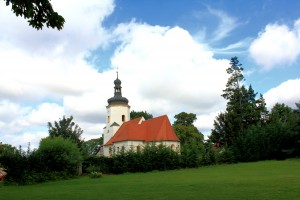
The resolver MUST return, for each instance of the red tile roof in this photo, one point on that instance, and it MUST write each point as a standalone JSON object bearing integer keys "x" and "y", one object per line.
{"x": 151, "y": 130}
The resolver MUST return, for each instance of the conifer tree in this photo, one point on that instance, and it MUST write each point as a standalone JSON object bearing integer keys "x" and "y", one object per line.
{"x": 242, "y": 111}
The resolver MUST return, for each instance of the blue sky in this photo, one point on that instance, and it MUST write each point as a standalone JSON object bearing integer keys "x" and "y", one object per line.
{"x": 172, "y": 56}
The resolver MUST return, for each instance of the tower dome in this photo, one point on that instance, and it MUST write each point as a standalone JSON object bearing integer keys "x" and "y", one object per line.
{"x": 117, "y": 98}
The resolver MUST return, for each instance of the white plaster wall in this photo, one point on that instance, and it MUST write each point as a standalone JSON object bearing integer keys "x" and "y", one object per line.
{"x": 116, "y": 111}
{"x": 127, "y": 145}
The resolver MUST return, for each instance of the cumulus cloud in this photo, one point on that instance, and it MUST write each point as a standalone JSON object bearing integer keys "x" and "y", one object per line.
{"x": 171, "y": 71}
{"x": 287, "y": 92}
{"x": 277, "y": 45}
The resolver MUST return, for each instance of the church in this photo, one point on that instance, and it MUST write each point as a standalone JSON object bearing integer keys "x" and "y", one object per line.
{"x": 121, "y": 133}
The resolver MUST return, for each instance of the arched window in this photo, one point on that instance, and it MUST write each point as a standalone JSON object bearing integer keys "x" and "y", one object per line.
{"x": 108, "y": 119}
{"x": 123, "y": 118}
{"x": 138, "y": 149}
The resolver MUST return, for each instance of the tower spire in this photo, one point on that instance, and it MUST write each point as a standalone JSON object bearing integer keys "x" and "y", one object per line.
{"x": 117, "y": 98}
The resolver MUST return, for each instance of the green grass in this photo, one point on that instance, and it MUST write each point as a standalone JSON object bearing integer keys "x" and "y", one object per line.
{"x": 261, "y": 180}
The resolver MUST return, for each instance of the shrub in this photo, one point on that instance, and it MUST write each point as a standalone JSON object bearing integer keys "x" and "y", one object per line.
{"x": 59, "y": 155}
{"x": 96, "y": 174}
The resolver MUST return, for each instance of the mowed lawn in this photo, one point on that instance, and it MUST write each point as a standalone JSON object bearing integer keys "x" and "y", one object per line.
{"x": 260, "y": 180}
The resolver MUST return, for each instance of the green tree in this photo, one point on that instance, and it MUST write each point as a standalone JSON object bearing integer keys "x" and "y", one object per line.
{"x": 242, "y": 111}
{"x": 145, "y": 114}
{"x": 185, "y": 129}
{"x": 185, "y": 119}
{"x": 281, "y": 130}
{"x": 67, "y": 129}
{"x": 38, "y": 13}
{"x": 283, "y": 114}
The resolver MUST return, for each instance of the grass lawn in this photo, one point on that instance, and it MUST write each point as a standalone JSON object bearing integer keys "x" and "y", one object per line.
{"x": 261, "y": 180}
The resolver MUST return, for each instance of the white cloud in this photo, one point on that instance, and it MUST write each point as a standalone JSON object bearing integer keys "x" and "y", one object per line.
{"x": 171, "y": 71}
{"x": 46, "y": 112}
{"x": 277, "y": 45}
{"x": 287, "y": 92}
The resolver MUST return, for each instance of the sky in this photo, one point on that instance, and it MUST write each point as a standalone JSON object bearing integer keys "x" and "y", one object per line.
{"x": 171, "y": 56}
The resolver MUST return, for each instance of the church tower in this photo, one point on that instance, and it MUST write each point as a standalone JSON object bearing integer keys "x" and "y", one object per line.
{"x": 118, "y": 112}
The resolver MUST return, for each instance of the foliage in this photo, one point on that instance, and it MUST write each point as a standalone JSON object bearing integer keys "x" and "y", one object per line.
{"x": 96, "y": 163}
{"x": 185, "y": 129}
{"x": 275, "y": 139}
{"x": 145, "y": 114}
{"x": 96, "y": 174}
{"x": 185, "y": 119}
{"x": 16, "y": 164}
{"x": 92, "y": 146}
{"x": 38, "y": 13}
{"x": 243, "y": 109}
{"x": 188, "y": 134}
{"x": 67, "y": 129}
{"x": 190, "y": 155}
{"x": 151, "y": 158}
{"x": 56, "y": 158}
{"x": 59, "y": 154}
{"x": 246, "y": 131}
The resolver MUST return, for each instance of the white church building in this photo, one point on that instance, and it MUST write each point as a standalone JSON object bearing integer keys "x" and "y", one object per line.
{"x": 122, "y": 133}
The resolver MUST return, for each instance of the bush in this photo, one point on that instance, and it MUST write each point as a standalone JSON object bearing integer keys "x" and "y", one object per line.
{"x": 96, "y": 163}
{"x": 55, "y": 159}
{"x": 226, "y": 156}
{"x": 59, "y": 155}
{"x": 96, "y": 175}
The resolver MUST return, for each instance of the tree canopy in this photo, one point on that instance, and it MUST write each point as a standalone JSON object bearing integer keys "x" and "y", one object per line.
{"x": 145, "y": 114}
{"x": 185, "y": 119}
{"x": 67, "y": 129}
{"x": 185, "y": 129}
{"x": 38, "y": 13}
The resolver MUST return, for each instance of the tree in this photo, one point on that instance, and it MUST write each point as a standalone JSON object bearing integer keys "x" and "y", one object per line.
{"x": 145, "y": 114}
{"x": 242, "y": 111}
{"x": 185, "y": 119}
{"x": 38, "y": 13}
{"x": 92, "y": 146}
{"x": 67, "y": 129}
{"x": 185, "y": 129}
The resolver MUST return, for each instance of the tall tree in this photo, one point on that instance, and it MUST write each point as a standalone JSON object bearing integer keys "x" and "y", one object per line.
{"x": 145, "y": 114}
{"x": 38, "y": 13}
{"x": 67, "y": 129}
{"x": 242, "y": 110}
